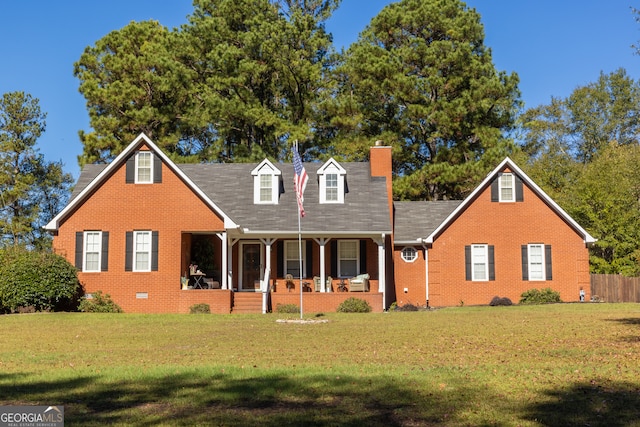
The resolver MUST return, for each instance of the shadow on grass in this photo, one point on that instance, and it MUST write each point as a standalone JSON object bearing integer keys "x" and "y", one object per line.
{"x": 586, "y": 404}
{"x": 240, "y": 399}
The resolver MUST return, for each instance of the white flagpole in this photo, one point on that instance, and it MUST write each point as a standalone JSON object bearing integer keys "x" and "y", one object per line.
{"x": 299, "y": 248}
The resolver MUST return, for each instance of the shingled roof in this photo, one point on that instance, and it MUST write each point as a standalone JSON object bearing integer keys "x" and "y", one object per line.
{"x": 230, "y": 186}
{"x": 415, "y": 220}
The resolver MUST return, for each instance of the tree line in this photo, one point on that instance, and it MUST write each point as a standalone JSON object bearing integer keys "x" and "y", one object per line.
{"x": 243, "y": 79}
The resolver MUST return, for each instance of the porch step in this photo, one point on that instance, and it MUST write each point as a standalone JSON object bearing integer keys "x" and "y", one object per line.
{"x": 247, "y": 302}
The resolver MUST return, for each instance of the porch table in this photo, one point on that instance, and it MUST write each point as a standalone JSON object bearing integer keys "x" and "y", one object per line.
{"x": 197, "y": 280}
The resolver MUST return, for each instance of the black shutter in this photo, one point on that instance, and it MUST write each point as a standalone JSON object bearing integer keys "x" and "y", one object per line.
{"x": 104, "y": 262}
{"x": 154, "y": 251}
{"x": 492, "y": 263}
{"x": 309, "y": 272}
{"x": 79, "y": 249}
{"x": 363, "y": 256}
{"x": 130, "y": 172}
{"x": 495, "y": 196}
{"x": 334, "y": 258}
{"x": 280, "y": 258}
{"x": 467, "y": 262}
{"x": 157, "y": 169}
{"x": 519, "y": 190}
{"x": 525, "y": 262}
{"x": 547, "y": 260}
{"x": 128, "y": 255}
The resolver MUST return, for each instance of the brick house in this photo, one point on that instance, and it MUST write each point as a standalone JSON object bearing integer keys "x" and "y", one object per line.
{"x": 135, "y": 226}
{"x": 506, "y": 237}
{"x": 160, "y": 237}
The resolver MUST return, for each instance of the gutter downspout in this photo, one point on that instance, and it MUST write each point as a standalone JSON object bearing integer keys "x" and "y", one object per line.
{"x": 426, "y": 271}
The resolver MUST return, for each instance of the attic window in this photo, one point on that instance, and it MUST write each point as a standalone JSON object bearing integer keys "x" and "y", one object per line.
{"x": 332, "y": 182}
{"x": 507, "y": 187}
{"x": 266, "y": 183}
{"x": 144, "y": 167}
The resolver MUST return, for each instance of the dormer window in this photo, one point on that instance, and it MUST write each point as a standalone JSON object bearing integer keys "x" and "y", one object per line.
{"x": 331, "y": 176}
{"x": 144, "y": 167}
{"x": 266, "y": 183}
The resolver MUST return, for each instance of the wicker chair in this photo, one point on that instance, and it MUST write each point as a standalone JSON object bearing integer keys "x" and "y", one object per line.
{"x": 360, "y": 283}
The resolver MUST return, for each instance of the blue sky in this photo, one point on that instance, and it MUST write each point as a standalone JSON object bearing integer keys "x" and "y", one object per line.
{"x": 553, "y": 45}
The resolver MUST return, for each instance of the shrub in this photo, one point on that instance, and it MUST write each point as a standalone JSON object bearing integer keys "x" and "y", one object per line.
{"x": 407, "y": 307}
{"x": 42, "y": 280}
{"x": 202, "y": 308}
{"x": 500, "y": 301}
{"x": 99, "y": 303}
{"x": 542, "y": 296}
{"x": 287, "y": 308}
{"x": 354, "y": 305}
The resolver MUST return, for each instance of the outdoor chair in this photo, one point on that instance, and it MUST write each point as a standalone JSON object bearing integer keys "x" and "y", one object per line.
{"x": 360, "y": 283}
{"x": 318, "y": 286}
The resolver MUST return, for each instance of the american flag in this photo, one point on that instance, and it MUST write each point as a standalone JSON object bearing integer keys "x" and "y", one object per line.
{"x": 299, "y": 179}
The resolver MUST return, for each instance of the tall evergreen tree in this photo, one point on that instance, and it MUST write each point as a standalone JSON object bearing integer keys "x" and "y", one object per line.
{"x": 421, "y": 78}
{"x": 31, "y": 189}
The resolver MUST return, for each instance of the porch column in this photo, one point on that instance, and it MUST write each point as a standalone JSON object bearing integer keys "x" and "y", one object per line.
{"x": 230, "y": 263}
{"x": 323, "y": 274}
{"x": 266, "y": 275}
{"x": 382, "y": 270}
{"x": 225, "y": 262}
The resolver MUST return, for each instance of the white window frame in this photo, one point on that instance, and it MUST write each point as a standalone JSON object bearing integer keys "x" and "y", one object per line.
{"x": 532, "y": 261}
{"x": 86, "y": 252}
{"x": 409, "y": 254}
{"x": 341, "y": 245}
{"x": 512, "y": 186}
{"x": 331, "y": 168}
{"x": 291, "y": 248}
{"x": 266, "y": 169}
{"x": 139, "y": 167}
{"x": 480, "y": 256}
{"x": 147, "y": 249}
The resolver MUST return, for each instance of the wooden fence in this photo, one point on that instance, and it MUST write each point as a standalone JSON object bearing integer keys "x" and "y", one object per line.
{"x": 615, "y": 288}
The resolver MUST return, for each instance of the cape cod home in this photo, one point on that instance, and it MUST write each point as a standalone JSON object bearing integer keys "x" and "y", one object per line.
{"x": 160, "y": 237}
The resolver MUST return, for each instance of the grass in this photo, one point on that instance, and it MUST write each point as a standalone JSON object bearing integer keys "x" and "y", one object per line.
{"x": 552, "y": 365}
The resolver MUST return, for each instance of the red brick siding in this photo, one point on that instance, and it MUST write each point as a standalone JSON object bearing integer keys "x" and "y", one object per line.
{"x": 507, "y": 226}
{"x": 316, "y": 302}
{"x": 169, "y": 207}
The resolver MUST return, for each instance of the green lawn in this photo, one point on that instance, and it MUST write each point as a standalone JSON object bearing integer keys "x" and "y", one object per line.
{"x": 554, "y": 365}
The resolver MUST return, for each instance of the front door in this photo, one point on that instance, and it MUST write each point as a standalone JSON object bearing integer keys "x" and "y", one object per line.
{"x": 251, "y": 266}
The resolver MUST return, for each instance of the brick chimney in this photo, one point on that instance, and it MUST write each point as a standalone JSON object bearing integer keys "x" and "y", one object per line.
{"x": 380, "y": 162}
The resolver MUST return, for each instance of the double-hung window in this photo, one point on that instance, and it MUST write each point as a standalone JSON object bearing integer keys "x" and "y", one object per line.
{"x": 292, "y": 258}
{"x": 507, "y": 187}
{"x": 331, "y": 187}
{"x": 479, "y": 261}
{"x": 142, "y": 251}
{"x": 348, "y": 258}
{"x": 144, "y": 167}
{"x": 266, "y": 188}
{"x": 92, "y": 251}
{"x": 536, "y": 262}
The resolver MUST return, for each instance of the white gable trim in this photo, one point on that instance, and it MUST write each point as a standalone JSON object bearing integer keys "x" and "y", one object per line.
{"x": 515, "y": 169}
{"x": 106, "y": 172}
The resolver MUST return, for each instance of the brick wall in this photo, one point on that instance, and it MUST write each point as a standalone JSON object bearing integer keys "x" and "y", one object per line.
{"x": 315, "y": 302}
{"x": 507, "y": 226}
{"x": 169, "y": 207}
